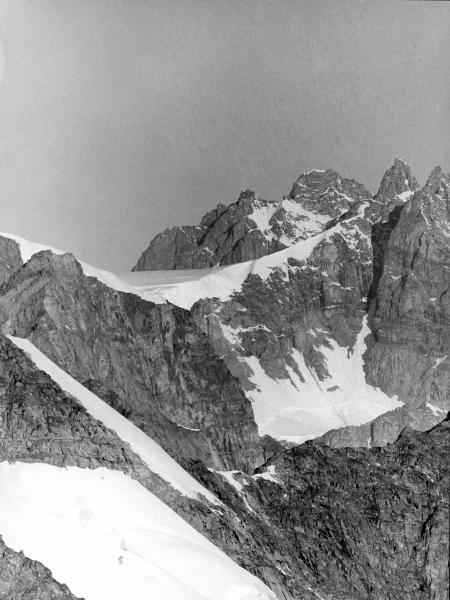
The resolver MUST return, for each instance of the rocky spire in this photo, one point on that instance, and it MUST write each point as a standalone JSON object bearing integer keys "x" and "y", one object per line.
{"x": 398, "y": 181}
{"x": 437, "y": 181}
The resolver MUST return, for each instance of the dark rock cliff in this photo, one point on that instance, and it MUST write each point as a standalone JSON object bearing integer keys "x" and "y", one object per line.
{"x": 160, "y": 368}
{"x": 10, "y": 258}
{"x": 354, "y": 523}
{"x": 411, "y": 317}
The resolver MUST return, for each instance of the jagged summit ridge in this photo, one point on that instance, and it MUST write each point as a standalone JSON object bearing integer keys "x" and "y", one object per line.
{"x": 253, "y": 227}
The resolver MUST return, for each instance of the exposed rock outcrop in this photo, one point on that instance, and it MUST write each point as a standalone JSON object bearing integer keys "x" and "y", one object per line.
{"x": 356, "y": 523}
{"x": 25, "y": 579}
{"x": 10, "y": 257}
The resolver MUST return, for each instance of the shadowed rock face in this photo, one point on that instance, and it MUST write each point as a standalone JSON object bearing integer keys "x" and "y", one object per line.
{"x": 150, "y": 360}
{"x": 226, "y": 235}
{"x": 10, "y": 258}
{"x": 411, "y": 318}
{"x": 397, "y": 180}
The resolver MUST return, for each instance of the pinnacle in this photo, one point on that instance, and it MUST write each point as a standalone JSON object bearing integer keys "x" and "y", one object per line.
{"x": 400, "y": 162}
{"x": 397, "y": 179}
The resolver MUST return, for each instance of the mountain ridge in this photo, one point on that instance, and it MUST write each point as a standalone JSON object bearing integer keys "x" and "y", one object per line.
{"x": 335, "y": 327}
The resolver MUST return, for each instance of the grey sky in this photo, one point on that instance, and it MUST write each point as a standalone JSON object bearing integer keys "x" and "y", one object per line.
{"x": 121, "y": 118}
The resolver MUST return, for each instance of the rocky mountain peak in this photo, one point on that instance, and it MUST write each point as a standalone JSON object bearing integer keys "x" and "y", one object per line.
{"x": 326, "y": 193}
{"x": 247, "y": 195}
{"x": 397, "y": 182}
{"x": 438, "y": 181}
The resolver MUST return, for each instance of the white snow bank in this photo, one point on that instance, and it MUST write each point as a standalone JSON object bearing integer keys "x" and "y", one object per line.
{"x": 149, "y": 451}
{"x": 107, "y": 538}
{"x": 229, "y": 476}
{"x": 184, "y": 288}
{"x": 269, "y": 475}
{"x": 404, "y": 196}
{"x": 261, "y": 215}
{"x": 295, "y": 410}
{"x": 435, "y": 409}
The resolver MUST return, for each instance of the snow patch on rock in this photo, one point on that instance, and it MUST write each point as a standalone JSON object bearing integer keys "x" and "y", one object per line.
{"x": 294, "y": 410}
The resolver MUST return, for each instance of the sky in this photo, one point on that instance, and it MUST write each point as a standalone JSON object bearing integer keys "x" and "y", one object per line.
{"x": 119, "y": 118}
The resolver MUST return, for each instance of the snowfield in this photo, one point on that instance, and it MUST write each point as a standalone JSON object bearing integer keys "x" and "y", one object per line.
{"x": 107, "y": 538}
{"x": 296, "y": 410}
{"x": 148, "y": 450}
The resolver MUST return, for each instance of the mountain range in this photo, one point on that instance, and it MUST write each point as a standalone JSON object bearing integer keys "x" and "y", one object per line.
{"x": 257, "y": 411}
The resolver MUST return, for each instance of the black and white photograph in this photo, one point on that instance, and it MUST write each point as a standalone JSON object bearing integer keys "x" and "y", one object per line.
{"x": 224, "y": 299}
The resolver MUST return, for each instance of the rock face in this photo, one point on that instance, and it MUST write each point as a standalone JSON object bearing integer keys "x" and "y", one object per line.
{"x": 353, "y": 523}
{"x": 10, "y": 257}
{"x": 25, "y": 579}
{"x": 253, "y": 227}
{"x": 411, "y": 317}
{"x": 150, "y": 361}
{"x": 278, "y": 325}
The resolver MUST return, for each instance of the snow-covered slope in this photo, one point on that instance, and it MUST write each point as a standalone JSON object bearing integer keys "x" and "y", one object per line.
{"x": 149, "y": 451}
{"x": 107, "y": 538}
{"x": 182, "y": 288}
{"x": 303, "y": 407}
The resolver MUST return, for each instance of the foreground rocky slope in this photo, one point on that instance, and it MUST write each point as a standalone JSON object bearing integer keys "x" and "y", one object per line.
{"x": 42, "y": 424}
{"x": 25, "y": 579}
{"x": 312, "y": 521}
{"x": 353, "y": 523}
